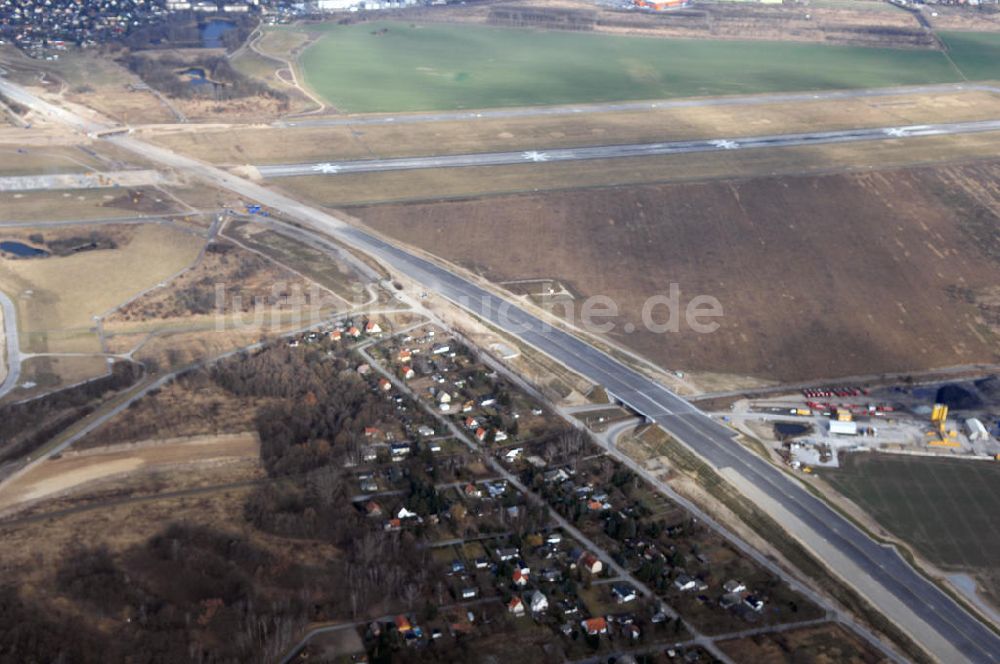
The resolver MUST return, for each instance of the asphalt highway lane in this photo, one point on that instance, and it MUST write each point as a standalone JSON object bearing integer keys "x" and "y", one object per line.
{"x": 972, "y": 641}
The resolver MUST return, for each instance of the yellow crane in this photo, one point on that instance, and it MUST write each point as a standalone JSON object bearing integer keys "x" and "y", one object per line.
{"x": 942, "y": 437}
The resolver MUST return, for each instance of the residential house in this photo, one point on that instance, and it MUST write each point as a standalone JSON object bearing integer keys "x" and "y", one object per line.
{"x": 373, "y": 509}
{"x": 508, "y": 553}
{"x": 471, "y": 423}
{"x": 407, "y": 372}
{"x": 353, "y": 332}
{"x": 473, "y": 491}
{"x": 734, "y": 586}
{"x": 516, "y": 606}
{"x": 405, "y": 355}
{"x": 384, "y": 384}
{"x": 753, "y": 602}
{"x": 496, "y": 489}
{"x": 480, "y": 434}
{"x": 470, "y": 593}
{"x": 684, "y": 583}
{"x": 335, "y": 334}
{"x": 520, "y": 576}
{"x": 568, "y": 607}
{"x": 623, "y": 592}
{"x": 595, "y": 626}
{"x": 591, "y": 563}
{"x": 425, "y": 430}
{"x": 558, "y": 476}
{"x": 538, "y": 602}
{"x": 597, "y": 506}
{"x": 403, "y": 624}
{"x": 371, "y": 327}
{"x": 501, "y": 436}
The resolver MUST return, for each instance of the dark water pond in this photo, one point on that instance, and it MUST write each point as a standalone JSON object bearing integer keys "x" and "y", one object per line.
{"x": 790, "y": 429}
{"x": 196, "y": 76}
{"x": 212, "y": 31}
{"x": 22, "y": 250}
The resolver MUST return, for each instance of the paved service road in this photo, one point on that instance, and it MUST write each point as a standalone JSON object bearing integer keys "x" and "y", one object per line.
{"x": 617, "y": 107}
{"x": 622, "y": 151}
{"x": 918, "y": 606}
{"x": 13, "y": 354}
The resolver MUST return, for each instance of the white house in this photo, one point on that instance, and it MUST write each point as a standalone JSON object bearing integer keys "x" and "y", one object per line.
{"x": 539, "y": 602}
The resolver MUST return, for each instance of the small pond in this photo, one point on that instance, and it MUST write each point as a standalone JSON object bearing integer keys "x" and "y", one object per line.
{"x": 212, "y": 31}
{"x": 22, "y": 250}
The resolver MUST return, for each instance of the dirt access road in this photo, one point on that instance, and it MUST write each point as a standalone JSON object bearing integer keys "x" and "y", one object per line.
{"x": 73, "y": 470}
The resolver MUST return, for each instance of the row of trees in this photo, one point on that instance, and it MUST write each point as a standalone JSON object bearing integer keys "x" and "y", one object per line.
{"x": 27, "y": 425}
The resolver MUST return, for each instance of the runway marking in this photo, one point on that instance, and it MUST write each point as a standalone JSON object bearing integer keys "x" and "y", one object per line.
{"x": 532, "y": 155}
{"x": 726, "y": 144}
{"x": 326, "y": 168}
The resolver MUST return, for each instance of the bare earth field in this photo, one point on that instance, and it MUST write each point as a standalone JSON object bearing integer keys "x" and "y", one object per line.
{"x": 823, "y": 643}
{"x": 263, "y": 145}
{"x": 75, "y": 470}
{"x": 819, "y": 276}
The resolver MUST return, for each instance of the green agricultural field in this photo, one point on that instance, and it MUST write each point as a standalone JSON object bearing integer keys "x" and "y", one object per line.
{"x": 389, "y": 66}
{"x": 977, "y": 54}
{"x": 946, "y": 508}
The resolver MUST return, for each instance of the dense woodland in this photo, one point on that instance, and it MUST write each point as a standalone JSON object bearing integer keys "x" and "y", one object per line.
{"x": 224, "y": 82}
{"x": 196, "y": 594}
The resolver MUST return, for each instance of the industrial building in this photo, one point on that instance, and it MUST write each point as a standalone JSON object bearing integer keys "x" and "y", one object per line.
{"x": 976, "y": 430}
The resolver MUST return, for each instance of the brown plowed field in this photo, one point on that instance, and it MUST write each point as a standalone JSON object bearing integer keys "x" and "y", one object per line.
{"x": 819, "y": 276}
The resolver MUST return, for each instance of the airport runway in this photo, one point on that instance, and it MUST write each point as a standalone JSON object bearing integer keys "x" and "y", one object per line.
{"x": 541, "y": 155}
{"x": 921, "y": 609}
{"x": 613, "y": 107}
